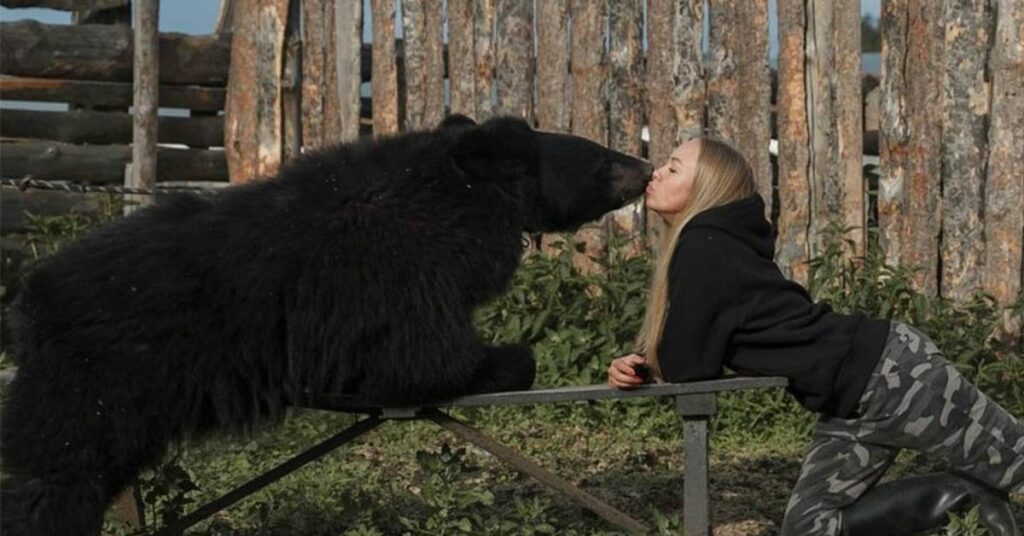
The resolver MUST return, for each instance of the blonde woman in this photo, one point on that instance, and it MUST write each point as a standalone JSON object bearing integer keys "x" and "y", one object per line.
{"x": 719, "y": 300}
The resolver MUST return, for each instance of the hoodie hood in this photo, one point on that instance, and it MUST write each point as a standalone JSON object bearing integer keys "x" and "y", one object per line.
{"x": 743, "y": 219}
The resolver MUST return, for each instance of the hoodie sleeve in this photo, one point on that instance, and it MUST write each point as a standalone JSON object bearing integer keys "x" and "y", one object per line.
{"x": 701, "y": 315}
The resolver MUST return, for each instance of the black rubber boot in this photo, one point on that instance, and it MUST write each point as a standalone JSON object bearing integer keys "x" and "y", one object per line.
{"x": 919, "y": 503}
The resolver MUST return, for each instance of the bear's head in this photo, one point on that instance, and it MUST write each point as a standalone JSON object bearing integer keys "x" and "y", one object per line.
{"x": 561, "y": 181}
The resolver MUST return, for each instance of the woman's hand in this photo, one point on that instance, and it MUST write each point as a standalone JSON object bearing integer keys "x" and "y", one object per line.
{"x": 621, "y": 374}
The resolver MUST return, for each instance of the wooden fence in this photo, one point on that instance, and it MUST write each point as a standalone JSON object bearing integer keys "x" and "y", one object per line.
{"x": 949, "y": 129}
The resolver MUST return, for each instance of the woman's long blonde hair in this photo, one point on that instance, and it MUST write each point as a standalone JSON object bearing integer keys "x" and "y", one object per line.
{"x": 722, "y": 175}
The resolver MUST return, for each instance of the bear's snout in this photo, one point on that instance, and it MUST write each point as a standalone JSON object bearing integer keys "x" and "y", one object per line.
{"x": 630, "y": 177}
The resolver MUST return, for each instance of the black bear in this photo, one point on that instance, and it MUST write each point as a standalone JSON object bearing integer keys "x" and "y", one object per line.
{"x": 354, "y": 270}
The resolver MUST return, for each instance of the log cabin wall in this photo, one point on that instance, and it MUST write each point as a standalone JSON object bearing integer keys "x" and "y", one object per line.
{"x": 925, "y": 159}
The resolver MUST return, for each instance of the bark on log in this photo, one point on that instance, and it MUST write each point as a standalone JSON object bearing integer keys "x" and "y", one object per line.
{"x": 626, "y": 107}
{"x": 424, "y": 63}
{"x": 146, "y": 66}
{"x": 67, "y": 5}
{"x": 107, "y": 94}
{"x": 835, "y": 122}
{"x": 385, "y": 73}
{"x": 513, "y": 68}
{"x": 104, "y": 52}
{"x": 739, "y": 83}
{"x": 1004, "y": 188}
{"x": 460, "y": 57}
{"x": 908, "y": 197}
{"x": 252, "y": 117}
{"x": 291, "y": 83}
{"x": 965, "y": 118}
{"x": 553, "y": 101}
{"x": 792, "y": 251}
{"x": 484, "y": 43}
{"x": 104, "y": 164}
{"x": 84, "y": 126}
{"x": 589, "y": 119}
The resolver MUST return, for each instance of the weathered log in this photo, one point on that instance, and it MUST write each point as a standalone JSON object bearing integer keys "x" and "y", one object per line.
{"x": 67, "y": 5}
{"x": 1004, "y": 189}
{"x": 291, "y": 83}
{"x": 424, "y": 63}
{"x": 347, "y": 59}
{"x": 513, "y": 68}
{"x": 460, "y": 58}
{"x": 675, "y": 81}
{"x": 104, "y": 52}
{"x": 965, "y": 118}
{"x": 738, "y": 94}
{"x": 626, "y": 113}
{"x": 104, "y": 164}
{"x": 792, "y": 249}
{"x": 146, "y": 80}
{"x": 589, "y": 118}
{"x": 908, "y": 190}
{"x": 483, "y": 42}
{"x": 252, "y": 116}
{"x": 107, "y": 94}
{"x": 385, "y": 72}
{"x": 14, "y": 203}
{"x": 835, "y": 122}
{"x": 553, "y": 110}
{"x": 84, "y": 126}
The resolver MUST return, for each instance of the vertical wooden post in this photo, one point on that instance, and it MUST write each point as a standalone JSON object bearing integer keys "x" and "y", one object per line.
{"x": 835, "y": 121}
{"x": 484, "y": 43}
{"x": 626, "y": 109}
{"x": 675, "y": 81}
{"x": 696, "y": 411}
{"x": 145, "y": 100}
{"x": 589, "y": 119}
{"x": 739, "y": 87}
{"x": 553, "y": 111}
{"x": 968, "y": 25}
{"x": 792, "y": 252}
{"x": 291, "y": 83}
{"x": 385, "y": 74}
{"x": 513, "y": 54}
{"x": 461, "y": 57}
{"x": 346, "y": 68}
{"x": 424, "y": 63}
{"x": 1003, "y": 271}
{"x": 908, "y": 189}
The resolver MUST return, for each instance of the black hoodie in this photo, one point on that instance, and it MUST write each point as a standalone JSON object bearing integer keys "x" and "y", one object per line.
{"x": 730, "y": 305}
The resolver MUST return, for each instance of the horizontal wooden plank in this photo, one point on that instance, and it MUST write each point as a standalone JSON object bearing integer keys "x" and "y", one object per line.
{"x": 14, "y": 203}
{"x": 85, "y": 126}
{"x": 104, "y": 164}
{"x": 104, "y": 52}
{"x": 67, "y": 5}
{"x": 561, "y": 394}
{"x": 118, "y": 94}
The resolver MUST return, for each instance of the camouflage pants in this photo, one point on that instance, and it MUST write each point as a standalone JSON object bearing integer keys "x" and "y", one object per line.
{"x": 915, "y": 399}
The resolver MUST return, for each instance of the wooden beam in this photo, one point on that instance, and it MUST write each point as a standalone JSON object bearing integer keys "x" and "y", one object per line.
{"x": 424, "y": 63}
{"x": 67, "y": 5}
{"x": 104, "y": 164}
{"x": 385, "y": 73}
{"x": 513, "y": 52}
{"x": 85, "y": 126}
{"x": 1004, "y": 190}
{"x": 115, "y": 94}
{"x": 459, "y": 55}
{"x": 104, "y": 52}
{"x": 146, "y": 64}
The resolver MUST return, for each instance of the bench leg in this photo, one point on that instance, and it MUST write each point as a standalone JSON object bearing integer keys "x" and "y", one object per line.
{"x": 520, "y": 462}
{"x": 696, "y": 411}
{"x": 269, "y": 477}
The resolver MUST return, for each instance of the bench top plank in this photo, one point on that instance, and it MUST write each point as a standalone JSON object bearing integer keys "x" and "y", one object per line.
{"x": 340, "y": 402}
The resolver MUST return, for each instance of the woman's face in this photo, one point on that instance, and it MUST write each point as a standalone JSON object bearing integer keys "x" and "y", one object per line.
{"x": 669, "y": 189}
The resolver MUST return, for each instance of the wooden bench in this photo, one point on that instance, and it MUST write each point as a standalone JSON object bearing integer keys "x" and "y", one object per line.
{"x": 695, "y": 402}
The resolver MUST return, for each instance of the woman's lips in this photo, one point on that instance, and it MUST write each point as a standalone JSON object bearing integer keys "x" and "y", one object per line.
{"x": 650, "y": 187}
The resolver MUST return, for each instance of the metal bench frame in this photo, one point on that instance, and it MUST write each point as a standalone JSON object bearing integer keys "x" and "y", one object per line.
{"x": 695, "y": 402}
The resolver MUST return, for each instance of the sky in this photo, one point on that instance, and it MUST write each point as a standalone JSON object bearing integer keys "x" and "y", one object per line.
{"x": 199, "y": 16}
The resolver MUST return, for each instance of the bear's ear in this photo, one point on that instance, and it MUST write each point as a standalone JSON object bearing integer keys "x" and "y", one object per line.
{"x": 456, "y": 121}
{"x": 501, "y": 147}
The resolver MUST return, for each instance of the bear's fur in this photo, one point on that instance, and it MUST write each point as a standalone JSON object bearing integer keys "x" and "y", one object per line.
{"x": 355, "y": 270}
